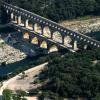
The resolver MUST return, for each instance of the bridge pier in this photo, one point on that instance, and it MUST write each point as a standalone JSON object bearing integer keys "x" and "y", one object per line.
{"x": 26, "y": 23}
{"x": 85, "y": 47}
{"x": 19, "y": 19}
{"x": 7, "y": 11}
{"x": 12, "y": 16}
{"x": 75, "y": 46}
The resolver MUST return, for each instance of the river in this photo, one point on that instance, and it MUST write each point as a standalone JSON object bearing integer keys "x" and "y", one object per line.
{"x": 4, "y": 70}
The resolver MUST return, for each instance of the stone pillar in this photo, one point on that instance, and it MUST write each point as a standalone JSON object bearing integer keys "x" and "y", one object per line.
{"x": 15, "y": 18}
{"x": 12, "y": 16}
{"x": 26, "y": 23}
{"x": 85, "y": 47}
{"x": 75, "y": 45}
{"x": 7, "y": 11}
{"x": 19, "y": 19}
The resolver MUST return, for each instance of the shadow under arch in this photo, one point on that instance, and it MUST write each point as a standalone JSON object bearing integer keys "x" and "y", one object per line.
{"x": 26, "y": 35}
{"x": 67, "y": 40}
{"x": 53, "y": 48}
{"x": 57, "y": 37}
{"x": 37, "y": 28}
{"x": 34, "y": 40}
{"x": 47, "y": 32}
{"x": 44, "y": 45}
{"x": 30, "y": 25}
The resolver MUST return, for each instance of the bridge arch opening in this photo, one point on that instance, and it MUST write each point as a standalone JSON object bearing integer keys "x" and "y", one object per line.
{"x": 30, "y": 25}
{"x": 22, "y": 22}
{"x": 37, "y": 28}
{"x": 47, "y": 32}
{"x": 44, "y": 45}
{"x": 67, "y": 40}
{"x": 34, "y": 40}
{"x": 26, "y": 35}
{"x": 57, "y": 37}
{"x": 53, "y": 48}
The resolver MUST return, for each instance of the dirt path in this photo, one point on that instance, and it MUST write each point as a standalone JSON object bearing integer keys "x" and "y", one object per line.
{"x": 24, "y": 84}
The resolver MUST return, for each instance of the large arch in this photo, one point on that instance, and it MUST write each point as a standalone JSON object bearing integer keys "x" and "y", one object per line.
{"x": 67, "y": 40}
{"x": 44, "y": 45}
{"x": 34, "y": 40}
{"x": 57, "y": 37}
{"x": 26, "y": 35}
{"x": 47, "y": 32}
{"x": 37, "y": 28}
{"x": 53, "y": 48}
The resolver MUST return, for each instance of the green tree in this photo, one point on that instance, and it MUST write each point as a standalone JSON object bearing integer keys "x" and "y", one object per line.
{"x": 7, "y": 94}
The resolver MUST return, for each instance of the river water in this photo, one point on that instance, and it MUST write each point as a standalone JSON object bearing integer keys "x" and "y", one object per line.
{"x": 4, "y": 70}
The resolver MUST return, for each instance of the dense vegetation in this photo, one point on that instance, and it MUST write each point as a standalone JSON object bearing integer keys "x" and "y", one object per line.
{"x": 73, "y": 76}
{"x": 57, "y": 10}
{"x": 8, "y": 95}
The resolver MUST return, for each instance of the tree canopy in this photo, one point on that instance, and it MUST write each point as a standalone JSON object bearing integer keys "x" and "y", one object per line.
{"x": 73, "y": 76}
{"x": 57, "y": 10}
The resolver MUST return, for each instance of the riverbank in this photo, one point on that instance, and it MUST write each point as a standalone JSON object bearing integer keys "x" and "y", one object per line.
{"x": 89, "y": 25}
{"x": 16, "y": 83}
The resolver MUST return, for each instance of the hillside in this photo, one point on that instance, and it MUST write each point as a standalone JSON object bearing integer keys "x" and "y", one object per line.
{"x": 73, "y": 76}
{"x": 58, "y": 10}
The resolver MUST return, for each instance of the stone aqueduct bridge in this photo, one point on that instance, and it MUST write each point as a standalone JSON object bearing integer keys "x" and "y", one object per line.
{"x": 46, "y": 33}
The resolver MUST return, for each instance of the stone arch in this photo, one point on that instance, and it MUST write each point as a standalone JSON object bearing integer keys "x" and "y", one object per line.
{"x": 26, "y": 35}
{"x": 53, "y": 48}
{"x": 22, "y": 22}
{"x": 44, "y": 45}
{"x": 38, "y": 28}
{"x": 67, "y": 40}
{"x": 57, "y": 37}
{"x": 34, "y": 40}
{"x": 47, "y": 32}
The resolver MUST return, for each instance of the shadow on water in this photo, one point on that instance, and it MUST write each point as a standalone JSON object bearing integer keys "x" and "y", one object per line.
{"x": 10, "y": 68}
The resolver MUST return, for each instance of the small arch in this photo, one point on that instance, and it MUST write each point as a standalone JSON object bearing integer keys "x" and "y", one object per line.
{"x": 57, "y": 37}
{"x": 37, "y": 28}
{"x": 30, "y": 25}
{"x": 26, "y": 35}
{"x": 34, "y": 40}
{"x": 53, "y": 48}
{"x": 67, "y": 40}
{"x": 44, "y": 45}
{"x": 47, "y": 32}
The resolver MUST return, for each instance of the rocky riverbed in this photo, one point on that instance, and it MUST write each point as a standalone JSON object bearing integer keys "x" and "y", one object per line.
{"x": 9, "y": 54}
{"x": 83, "y": 26}
{"x": 14, "y": 48}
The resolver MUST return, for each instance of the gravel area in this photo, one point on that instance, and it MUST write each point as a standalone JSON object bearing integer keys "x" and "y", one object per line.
{"x": 83, "y": 26}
